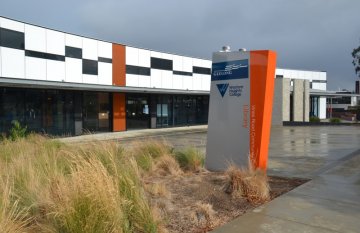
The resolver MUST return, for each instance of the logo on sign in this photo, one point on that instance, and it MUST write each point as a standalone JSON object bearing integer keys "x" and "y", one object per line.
{"x": 222, "y": 88}
{"x": 238, "y": 69}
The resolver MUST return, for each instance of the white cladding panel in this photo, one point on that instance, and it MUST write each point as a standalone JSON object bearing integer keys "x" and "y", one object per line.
{"x": 197, "y": 81}
{"x": 105, "y": 73}
{"x": 319, "y": 86}
{"x": 156, "y": 78}
{"x": 73, "y": 70}
{"x": 12, "y": 63}
{"x": 132, "y": 80}
{"x": 144, "y": 81}
{"x": 73, "y": 41}
{"x": 206, "y": 80}
{"x": 322, "y": 108}
{"x": 90, "y": 49}
{"x": 55, "y": 42}
{"x": 12, "y": 25}
{"x": 187, "y": 64}
{"x": 104, "y": 49}
{"x": 155, "y": 54}
{"x": 132, "y": 56}
{"x": 177, "y": 63}
{"x": 178, "y": 81}
{"x": 197, "y": 62}
{"x": 144, "y": 58}
{"x": 166, "y": 78}
{"x": 91, "y": 79}
{"x": 35, "y": 68}
{"x": 35, "y": 38}
{"x": 167, "y": 56}
{"x": 55, "y": 70}
{"x": 187, "y": 83}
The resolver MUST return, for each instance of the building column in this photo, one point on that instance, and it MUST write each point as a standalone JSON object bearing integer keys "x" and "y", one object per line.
{"x": 298, "y": 100}
{"x": 119, "y": 112}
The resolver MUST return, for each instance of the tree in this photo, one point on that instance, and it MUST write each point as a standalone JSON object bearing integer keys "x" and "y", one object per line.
{"x": 356, "y": 60}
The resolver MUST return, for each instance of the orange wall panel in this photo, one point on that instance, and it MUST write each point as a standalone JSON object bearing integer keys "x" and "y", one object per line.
{"x": 118, "y": 65}
{"x": 119, "y": 112}
{"x": 262, "y": 71}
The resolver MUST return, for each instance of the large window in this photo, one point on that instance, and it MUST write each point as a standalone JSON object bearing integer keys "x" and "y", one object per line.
{"x": 73, "y": 52}
{"x": 137, "y": 111}
{"x": 96, "y": 112}
{"x": 90, "y": 67}
{"x": 11, "y": 39}
{"x": 161, "y": 64}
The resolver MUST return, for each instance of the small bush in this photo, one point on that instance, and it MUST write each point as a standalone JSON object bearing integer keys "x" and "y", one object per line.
{"x": 250, "y": 183}
{"x": 17, "y": 131}
{"x": 314, "y": 119}
{"x": 335, "y": 120}
{"x": 190, "y": 159}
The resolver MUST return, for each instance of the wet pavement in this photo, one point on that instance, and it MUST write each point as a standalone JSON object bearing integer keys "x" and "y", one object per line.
{"x": 328, "y": 155}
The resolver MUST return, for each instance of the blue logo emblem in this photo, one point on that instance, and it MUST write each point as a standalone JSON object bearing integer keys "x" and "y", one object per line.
{"x": 222, "y": 88}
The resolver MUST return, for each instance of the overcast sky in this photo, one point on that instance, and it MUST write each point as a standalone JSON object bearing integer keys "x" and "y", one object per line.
{"x": 307, "y": 34}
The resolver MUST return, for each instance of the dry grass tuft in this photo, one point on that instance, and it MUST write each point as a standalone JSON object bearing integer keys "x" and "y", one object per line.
{"x": 204, "y": 216}
{"x": 158, "y": 190}
{"x": 167, "y": 165}
{"x": 250, "y": 183}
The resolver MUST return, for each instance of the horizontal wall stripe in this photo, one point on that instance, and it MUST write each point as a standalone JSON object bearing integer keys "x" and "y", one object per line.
{"x": 138, "y": 70}
{"x": 73, "y": 52}
{"x": 30, "y": 53}
{"x": 104, "y": 59}
{"x": 201, "y": 70}
{"x": 182, "y": 73}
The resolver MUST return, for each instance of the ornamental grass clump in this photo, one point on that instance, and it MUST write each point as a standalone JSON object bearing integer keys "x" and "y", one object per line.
{"x": 249, "y": 183}
{"x": 190, "y": 159}
{"x": 48, "y": 186}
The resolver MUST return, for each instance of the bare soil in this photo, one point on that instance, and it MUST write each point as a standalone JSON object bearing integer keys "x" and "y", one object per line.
{"x": 197, "y": 202}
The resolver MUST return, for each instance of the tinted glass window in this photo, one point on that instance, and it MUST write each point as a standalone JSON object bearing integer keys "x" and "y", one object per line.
{"x": 49, "y": 56}
{"x": 137, "y": 70}
{"x": 104, "y": 59}
{"x": 90, "y": 67}
{"x": 11, "y": 39}
{"x": 201, "y": 70}
{"x": 161, "y": 64}
{"x": 182, "y": 73}
{"x": 73, "y": 52}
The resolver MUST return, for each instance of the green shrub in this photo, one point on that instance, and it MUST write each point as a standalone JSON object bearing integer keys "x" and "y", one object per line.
{"x": 335, "y": 120}
{"x": 190, "y": 159}
{"x": 314, "y": 119}
{"x": 17, "y": 131}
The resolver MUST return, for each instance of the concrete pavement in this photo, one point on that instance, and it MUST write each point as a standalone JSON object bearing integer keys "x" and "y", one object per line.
{"x": 330, "y": 202}
{"x": 329, "y": 155}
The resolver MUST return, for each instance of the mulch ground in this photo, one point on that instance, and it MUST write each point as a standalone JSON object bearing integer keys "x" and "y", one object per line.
{"x": 198, "y": 203}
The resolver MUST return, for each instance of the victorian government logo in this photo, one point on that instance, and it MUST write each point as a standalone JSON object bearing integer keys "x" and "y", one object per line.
{"x": 238, "y": 69}
{"x": 222, "y": 88}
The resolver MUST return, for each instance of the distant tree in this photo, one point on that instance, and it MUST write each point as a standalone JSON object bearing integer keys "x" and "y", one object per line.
{"x": 356, "y": 60}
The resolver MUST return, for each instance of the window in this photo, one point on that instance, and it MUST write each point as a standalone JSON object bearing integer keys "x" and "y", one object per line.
{"x": 73, "y": 52}
{"x": 137, "y": 70}
{"x": 161, "y": 64}
{"x": 201, "y": 70}
{"x": 49, "y": 56}
{"x": 90, "y": 67}
{"x": 182, "y": 73}
{"x": 104, "y": 59}
{"x": 12, "y": 39}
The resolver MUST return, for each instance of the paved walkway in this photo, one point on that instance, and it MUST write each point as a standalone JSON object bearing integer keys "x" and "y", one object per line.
{"x": 330, "y": 202}
{"x": 329, "y": 155}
